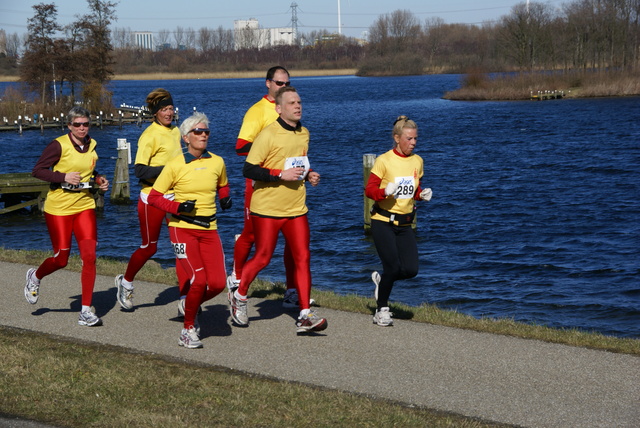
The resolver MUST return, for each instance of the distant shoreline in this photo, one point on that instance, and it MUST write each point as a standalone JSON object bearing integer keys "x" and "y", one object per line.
{"x": 214, "y": 75}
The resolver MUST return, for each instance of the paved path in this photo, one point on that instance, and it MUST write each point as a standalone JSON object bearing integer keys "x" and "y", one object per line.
{"x": 515, "y": 381}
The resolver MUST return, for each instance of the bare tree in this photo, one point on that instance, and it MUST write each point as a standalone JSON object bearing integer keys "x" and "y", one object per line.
{"x": 36, "y": 67}
{"x": 13, "y": 45}
{"x": 162, "y": 39}
{"x": 97, "y": 40}
{"x": 524, "y": 34}
{"x": 122, "y": 38}
{"x": 205, "y": 39}
{"x": 190, "y": 38}
{"x": 179, "y": 37}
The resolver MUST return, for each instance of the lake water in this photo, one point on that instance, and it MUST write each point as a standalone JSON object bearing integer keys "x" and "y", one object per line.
{"x": 536, "y": 207}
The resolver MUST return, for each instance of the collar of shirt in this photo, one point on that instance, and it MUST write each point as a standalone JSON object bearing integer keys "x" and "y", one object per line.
{"x": 188, "y": 157}
{"x": 288, "y": 127}
{"x": 85, "y": 143}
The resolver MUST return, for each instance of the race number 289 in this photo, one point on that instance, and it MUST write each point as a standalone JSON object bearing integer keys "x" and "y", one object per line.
{"x": 406, "y": 187}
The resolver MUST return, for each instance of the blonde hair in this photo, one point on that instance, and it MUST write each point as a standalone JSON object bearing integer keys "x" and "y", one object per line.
{"x": 401, "y": 123}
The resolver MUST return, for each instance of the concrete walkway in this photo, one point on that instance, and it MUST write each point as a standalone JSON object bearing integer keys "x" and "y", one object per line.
{"x": 497, "y": 378}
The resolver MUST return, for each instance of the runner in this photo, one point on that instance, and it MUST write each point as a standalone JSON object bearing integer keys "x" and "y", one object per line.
{"x": 394, "y": 185}
{"x": 195, "y": 177}
{"x": 68, "y": 163}
{"x": 260, "y": 115}
{"x": 279, "y": 165}
{"x": 156, "y": 146}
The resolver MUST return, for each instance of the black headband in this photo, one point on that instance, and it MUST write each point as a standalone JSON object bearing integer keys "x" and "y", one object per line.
{"x": 162, "y": 103}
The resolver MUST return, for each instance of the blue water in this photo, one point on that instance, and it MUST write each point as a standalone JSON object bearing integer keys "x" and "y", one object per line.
{"x": 536, "y": 207}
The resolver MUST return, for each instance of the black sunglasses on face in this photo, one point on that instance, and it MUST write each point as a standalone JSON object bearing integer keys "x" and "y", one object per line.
{"x": 199, "y": 131}
{"x": 280, "y": 82}
{"x": 79, "y": 124}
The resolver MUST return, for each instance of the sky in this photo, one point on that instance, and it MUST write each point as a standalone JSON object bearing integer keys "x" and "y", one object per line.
{"x": 355, "y": 18}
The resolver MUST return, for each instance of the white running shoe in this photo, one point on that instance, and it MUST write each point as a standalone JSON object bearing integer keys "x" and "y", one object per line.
{"x": 189, "y": 338}
{"x": 309, "y": 323}
{"x": 238, "y": 309}
{"x": 124, "y": 295}
{"x": 375, "y": 277}
{"x": 89, "y": 319}
{"x": 31, "y": 287}
{"x": 383, "y": 317}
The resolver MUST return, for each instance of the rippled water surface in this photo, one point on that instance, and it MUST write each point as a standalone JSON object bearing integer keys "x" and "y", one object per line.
{"x": 536, "y": 207}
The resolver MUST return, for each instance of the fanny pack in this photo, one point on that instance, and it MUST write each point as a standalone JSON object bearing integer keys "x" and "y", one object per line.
{"x": 198, "y": 220}
{"x": 397, "y": 219}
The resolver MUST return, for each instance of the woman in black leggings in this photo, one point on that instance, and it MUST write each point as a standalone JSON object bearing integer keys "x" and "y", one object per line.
{"x": 394, "y": 185}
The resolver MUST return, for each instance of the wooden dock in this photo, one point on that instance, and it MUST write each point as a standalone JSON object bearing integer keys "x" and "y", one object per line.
{"x": 547, "y": 95}
{"x": 125, "y": 115}
{"x": 20, "y": 190}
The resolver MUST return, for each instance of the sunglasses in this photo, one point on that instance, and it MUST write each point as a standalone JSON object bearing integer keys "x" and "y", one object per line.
{"x": 280, "y": 82}
{"x": 79, "y": 124}
{"x": 199, "y": 131}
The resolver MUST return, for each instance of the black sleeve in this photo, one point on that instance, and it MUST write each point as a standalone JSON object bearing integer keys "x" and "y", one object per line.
{"x": 145, "y": 172}
{"x": 258, "y": 173}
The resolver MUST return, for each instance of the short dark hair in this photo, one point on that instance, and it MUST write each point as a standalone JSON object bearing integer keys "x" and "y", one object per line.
{"x": 272, "y": 71}
{"x": 281, "y": 92}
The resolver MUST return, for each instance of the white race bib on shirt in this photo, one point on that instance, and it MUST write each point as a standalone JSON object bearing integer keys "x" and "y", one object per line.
{"x": 298, "y": 162}
{"x": 406, "y": 187}
{"x": 180, "y": 250}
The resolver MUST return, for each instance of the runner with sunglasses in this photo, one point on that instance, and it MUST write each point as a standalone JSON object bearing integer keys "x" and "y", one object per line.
{"x": 159, "y": 142}
{"x": 68, "y": 163}
{"x": 258, "y": 117}
{"x": 196, "y": 177}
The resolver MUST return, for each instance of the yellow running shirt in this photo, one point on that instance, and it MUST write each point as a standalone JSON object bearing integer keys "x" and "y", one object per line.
{"x": 67, "y": 202}
{"x": 279, "y": 148}
{"x": 191, "y": 178}
{"x": 156, "y": 146}
{"x": 406, "y": 171}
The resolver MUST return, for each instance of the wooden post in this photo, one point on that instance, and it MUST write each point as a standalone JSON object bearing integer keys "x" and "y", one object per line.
{"x": 120, "y": 191}
{"x": 367, "y": 163}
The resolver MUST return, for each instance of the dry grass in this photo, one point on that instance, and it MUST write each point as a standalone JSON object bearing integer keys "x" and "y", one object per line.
{"x": 479, "y": 86}
{"x": 229, "y": 75}
{"x": 65, "y": 383}
{"x": 216, "y": 75}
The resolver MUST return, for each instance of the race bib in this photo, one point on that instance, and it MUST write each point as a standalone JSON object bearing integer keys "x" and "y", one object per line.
{"x": 75, "y": 187}
{"x": 298, "y": 162}
{"x": 406, "y": 187}
{"x": 180, "y": 250}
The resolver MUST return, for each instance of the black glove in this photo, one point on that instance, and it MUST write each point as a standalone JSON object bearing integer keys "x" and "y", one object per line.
{"x": 225, "y": 203}
{"x": 187, "y": 207}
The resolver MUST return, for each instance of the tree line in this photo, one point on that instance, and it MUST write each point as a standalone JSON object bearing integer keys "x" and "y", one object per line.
{"x": 581, "y": 35}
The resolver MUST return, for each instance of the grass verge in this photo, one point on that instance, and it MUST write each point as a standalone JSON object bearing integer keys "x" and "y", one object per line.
{"x": 65, "y": 383}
